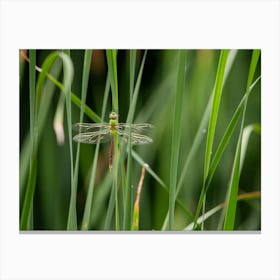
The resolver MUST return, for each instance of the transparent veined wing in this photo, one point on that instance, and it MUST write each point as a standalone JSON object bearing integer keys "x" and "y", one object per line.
{"x": 137, "y": 127}
{"x": 92, "y": 137}
{"x": 136, "y": 138}
{"x": 87, "y": 127}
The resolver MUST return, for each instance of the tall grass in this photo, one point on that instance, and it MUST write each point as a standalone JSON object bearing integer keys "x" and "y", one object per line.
{"x": 212, "y": 125}
{"x": 112, "y": 68}
{"x": 85, "y": 77}
{"x": 42, "y": 103}
{"x": 234, "y": 180}
{"x": 26, "y": 221}
{"x": 176, "y": 134}
{"x": 179, "y": 104}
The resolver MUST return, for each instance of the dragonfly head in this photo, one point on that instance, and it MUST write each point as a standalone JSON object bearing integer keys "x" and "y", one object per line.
{"x": 113, "y": 116}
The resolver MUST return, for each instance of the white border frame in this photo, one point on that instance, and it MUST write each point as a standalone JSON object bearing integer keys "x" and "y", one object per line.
{"x": 154, "y": 24}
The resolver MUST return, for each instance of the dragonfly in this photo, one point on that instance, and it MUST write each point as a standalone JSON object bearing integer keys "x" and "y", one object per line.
{"x": 91, "y": 133}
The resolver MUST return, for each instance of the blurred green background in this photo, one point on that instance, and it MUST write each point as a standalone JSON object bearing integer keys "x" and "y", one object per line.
{"x": 155, "y": 105}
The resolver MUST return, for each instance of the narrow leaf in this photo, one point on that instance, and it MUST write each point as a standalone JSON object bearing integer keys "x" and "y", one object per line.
{"x": 234, "y": 181}
{"x": 176, "y": 133}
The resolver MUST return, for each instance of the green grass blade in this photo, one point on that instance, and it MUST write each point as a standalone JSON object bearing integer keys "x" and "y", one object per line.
{"x": 176, "y": 135}
{"x": 233, "y": 186}
{"x": 33, "y": 126}
{"x": 158, "y": 99}
{"x": 43, "y": 109}
{"x": 24, "y": 163}
{"x": 116, "y": 188}
{"x": 219, "y": 82}
{"x": 215, "y": 110}
{"x": 223, "y": 144}
{"x": 133, "y": 101}
{"x": 247, "y": 132}
{"x": 227, "y": 136}
{"x": 29, "y": 196}
{"x": 255, "y": 58}
{"x": 87, "y": 110}
{"x": 85, "y": 77}
{"x": 211, "y": 212}
{"x": 68, "y": 73}
{"x": 113, "y": 201}
{"x": 25, "y": 221}
{"x": 128, "y": 189}
{"x": 28, "y": 153}
{"x": 199, "y": 136}
{"x": 112, "y": 68}
{"x": 26, "y": 147}
{"x": 100, "y": 198}
{"x": 234, "y": 181}
{"x": 132, "y": 66}
{"x": 75, "y": 99}
{"x": 89, "y": 199}
{"x": 110, "y": 210}
{"x": 149, "y": 169}
{"x": 32, "y": 94}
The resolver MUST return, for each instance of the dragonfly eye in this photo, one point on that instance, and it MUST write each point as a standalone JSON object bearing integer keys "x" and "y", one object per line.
{"x": 113, "y": 116}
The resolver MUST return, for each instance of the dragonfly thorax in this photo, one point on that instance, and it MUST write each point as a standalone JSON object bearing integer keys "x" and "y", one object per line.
{"x": 113, "y": 122}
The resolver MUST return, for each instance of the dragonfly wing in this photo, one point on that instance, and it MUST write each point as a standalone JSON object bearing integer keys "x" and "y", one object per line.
{"x": 136, "y": 138}
{"x": 90, "y": 127}
{"x": 92, "y": 137}
{"x": 137, "y": 127}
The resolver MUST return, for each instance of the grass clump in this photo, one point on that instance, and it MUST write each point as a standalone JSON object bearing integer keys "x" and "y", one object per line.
{"x": 204, "y": 106}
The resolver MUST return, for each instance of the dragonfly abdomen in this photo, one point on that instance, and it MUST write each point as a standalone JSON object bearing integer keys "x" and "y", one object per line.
{"x": 111, "y": 153}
